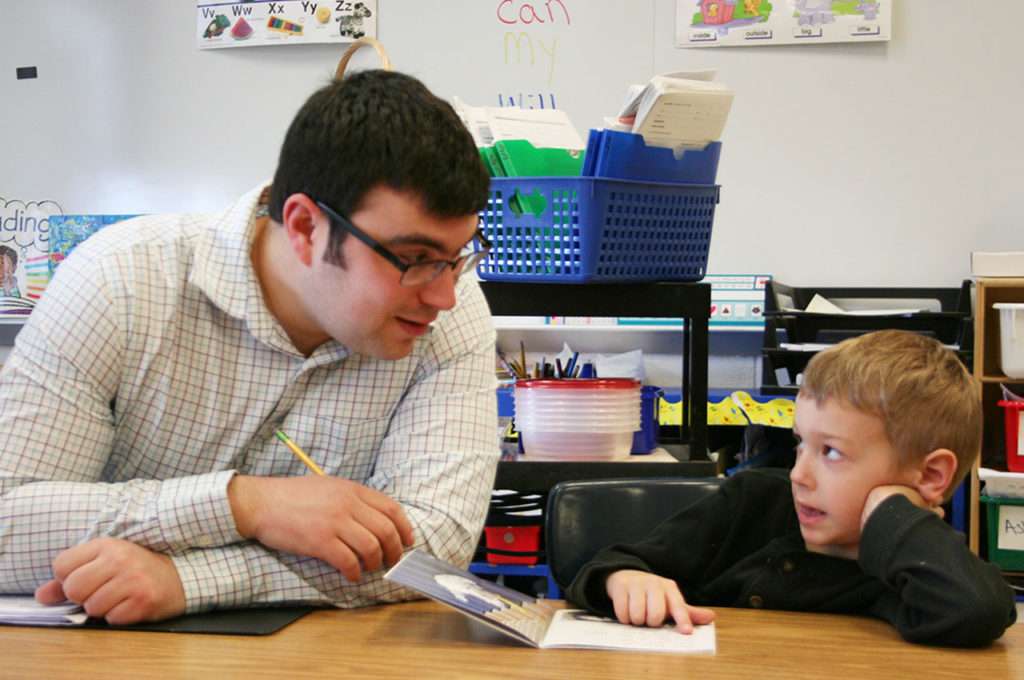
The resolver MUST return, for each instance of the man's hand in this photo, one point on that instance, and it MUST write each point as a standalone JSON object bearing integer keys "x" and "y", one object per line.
{"x": 116, "y": 580}
{"x": 350, "y": 526}
{"x": 880, "y": 493}
{"x": 643, "y": 599}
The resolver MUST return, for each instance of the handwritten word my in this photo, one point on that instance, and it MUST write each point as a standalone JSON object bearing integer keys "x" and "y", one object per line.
{"x": 518, "y": 42}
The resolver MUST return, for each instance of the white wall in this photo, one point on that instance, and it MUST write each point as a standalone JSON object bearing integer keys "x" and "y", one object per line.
{"x": 869, "y": 164}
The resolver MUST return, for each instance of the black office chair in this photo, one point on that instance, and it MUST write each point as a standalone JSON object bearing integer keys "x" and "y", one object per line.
{"x": 583, "y": 517}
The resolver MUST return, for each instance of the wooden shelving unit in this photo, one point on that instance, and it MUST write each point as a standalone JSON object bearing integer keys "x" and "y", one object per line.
{"x": 988, "y": 291}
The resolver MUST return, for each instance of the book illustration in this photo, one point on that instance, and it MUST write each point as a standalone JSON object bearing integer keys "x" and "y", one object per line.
{"x": 24, "y": 236}
{"x": 535, "y": 622}
{"x": 67, "y": 231}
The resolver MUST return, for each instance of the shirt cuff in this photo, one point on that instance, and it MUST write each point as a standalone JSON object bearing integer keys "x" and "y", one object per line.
{"x": 194, "y": 512}
{"x": 217, "y": 578}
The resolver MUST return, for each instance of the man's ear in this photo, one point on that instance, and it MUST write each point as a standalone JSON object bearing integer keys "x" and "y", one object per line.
{"x": 301, "y": 216}
{"x": 935, "y": 474}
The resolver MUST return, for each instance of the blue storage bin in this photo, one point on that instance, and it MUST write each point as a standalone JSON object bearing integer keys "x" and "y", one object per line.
{"x": 624, "y": 155}
{"x": 593, "y": 229}
{"x": 505, "y": 402}
{"x": 645, "y": 439}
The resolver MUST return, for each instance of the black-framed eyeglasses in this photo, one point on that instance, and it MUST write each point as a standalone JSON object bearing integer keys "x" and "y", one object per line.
{"x": 416, "y": 273}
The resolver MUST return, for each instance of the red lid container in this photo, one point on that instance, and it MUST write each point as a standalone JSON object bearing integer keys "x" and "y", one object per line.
{"x": 578, "y": 384}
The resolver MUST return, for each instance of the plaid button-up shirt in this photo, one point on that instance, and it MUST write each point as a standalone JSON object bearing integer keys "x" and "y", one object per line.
{"x": 151, "y": 372}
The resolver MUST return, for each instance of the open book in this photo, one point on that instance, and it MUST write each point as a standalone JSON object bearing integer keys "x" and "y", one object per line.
{"x": 534, "y": 622}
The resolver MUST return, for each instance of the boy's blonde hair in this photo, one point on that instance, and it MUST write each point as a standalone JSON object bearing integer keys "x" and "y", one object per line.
{"x": 925, "y": 396}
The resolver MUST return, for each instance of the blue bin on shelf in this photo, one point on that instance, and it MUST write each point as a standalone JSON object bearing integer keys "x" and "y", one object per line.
{"x": 645, "y": 439}
{"x": 624, "y": 155}
{"x": 593, "y": 229}
{"x": 637, "y": 214}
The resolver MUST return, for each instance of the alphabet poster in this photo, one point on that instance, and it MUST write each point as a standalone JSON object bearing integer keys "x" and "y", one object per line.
{"x": 722, "y": 23}
{"x": 289, "y": 22}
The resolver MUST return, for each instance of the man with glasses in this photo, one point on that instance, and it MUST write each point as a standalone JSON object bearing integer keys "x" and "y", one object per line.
{"x": 139, "y": 470}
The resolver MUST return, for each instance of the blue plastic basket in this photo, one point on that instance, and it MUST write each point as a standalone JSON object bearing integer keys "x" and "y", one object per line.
{"x": 594, "y": 229}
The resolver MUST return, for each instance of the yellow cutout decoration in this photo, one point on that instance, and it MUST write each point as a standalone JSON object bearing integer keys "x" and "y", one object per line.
{"x": 775, "y": 413}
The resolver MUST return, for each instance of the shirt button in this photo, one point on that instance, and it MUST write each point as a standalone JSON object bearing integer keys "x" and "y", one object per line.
{"x": 787, "y": 566}
{"x": 756, "y": 601}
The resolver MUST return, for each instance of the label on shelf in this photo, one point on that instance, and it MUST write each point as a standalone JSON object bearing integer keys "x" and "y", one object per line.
{"x": 1010, "y": 532}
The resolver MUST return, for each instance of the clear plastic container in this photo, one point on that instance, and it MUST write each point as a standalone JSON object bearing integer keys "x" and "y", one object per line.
{"x": 577, "y": 419}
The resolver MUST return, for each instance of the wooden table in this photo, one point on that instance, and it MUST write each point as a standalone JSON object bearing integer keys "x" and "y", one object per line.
{"x": 425, "y": 640}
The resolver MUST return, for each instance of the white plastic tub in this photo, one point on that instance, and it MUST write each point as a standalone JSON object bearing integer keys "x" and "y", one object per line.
{"x": 1011, "y": 338}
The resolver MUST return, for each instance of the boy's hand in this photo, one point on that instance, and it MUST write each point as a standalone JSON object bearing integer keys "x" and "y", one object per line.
{"x": 644, "y": 599}
{"x": 880, "y": 493}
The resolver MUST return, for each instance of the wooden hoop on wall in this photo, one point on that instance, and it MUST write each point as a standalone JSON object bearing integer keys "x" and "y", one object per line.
{"x": 355, "y": 47}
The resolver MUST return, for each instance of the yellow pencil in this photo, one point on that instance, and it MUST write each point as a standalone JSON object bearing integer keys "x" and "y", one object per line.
{"x": 302, "y": 455}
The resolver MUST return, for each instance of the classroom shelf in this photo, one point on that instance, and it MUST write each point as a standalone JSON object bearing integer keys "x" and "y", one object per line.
{"x": 690, "y": 302}
{"x": 686, "y": 453}
{"x": 989, "y": 291}
{"x": 945, "y": 313}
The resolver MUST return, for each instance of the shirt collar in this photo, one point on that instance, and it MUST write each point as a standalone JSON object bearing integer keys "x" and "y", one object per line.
{"x": 223, "y": 271}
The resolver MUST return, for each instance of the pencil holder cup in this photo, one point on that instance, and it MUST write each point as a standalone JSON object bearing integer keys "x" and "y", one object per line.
{"x": 577, "y": 419}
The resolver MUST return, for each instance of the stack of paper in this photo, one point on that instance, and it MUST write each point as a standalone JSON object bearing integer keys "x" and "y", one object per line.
{"x": 677, "y": 110}
{"x": 544, "y": 128}
{"x": 23, "y": 610}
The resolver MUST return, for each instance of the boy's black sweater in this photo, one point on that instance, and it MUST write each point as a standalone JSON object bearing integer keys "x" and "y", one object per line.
{"x": 741, "y": 547}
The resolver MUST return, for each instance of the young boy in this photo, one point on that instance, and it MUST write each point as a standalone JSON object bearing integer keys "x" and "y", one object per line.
{"x": 888, "y": 425}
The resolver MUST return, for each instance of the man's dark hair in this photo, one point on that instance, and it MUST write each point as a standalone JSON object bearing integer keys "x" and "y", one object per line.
{"x": 376, "y": 128}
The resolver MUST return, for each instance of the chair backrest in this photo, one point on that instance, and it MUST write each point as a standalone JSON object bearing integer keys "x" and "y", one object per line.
{"x": 582, "y": 517}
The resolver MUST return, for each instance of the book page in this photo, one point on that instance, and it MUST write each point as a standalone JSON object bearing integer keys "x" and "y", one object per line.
{"x": 23, "y": 610}
{"x": 576, "y": 628}
{"x": 509, "y": 611}
{"x": 547, "y": 128}
{"x": 544, "y": 128}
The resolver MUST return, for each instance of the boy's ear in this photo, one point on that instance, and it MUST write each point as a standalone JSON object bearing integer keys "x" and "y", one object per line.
{"x": 301, "y": 216}
{"x": 935, "y": 474}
